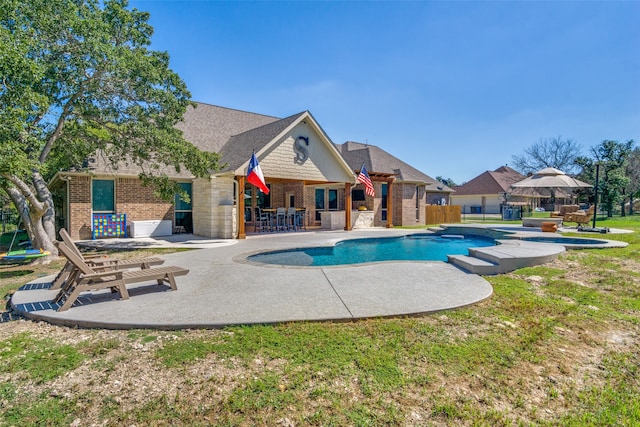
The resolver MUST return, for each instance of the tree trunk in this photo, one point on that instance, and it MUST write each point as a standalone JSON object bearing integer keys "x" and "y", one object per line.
{"x": 40, "y": 239}
{"x": 38, "y": 221}
{"x": 46, "y": 226}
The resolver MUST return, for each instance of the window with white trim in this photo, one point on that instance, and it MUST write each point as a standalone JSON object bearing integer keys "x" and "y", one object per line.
{"x": 103, "y": 196}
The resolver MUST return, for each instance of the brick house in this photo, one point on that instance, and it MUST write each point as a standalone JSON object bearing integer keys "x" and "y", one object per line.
{"x": 407, "y": 189}
{"x": 490, "y": 191}
{"x": 301, "y": 165}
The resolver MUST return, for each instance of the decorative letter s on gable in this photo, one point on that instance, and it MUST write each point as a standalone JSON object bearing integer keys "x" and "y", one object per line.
{"x": 300, "y": 147}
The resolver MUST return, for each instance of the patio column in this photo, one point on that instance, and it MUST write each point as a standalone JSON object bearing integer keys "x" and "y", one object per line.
{"x": 390, "y": 203}
{"x": 347, "y": 207}
{"x": 240, "y": 211}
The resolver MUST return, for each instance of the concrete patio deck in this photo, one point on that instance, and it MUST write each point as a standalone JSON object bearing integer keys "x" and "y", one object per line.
{"x": 219, "y": 291}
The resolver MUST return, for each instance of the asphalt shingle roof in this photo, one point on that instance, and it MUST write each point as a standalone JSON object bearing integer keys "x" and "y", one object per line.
{"x": 379, "y": 161}
{"x": 235, "y": 151}
{"x": 231, "y": 133}
{"x": 210, "y": 127}
{"x": 490, "y": 182}
{"x": 234, "y": 134}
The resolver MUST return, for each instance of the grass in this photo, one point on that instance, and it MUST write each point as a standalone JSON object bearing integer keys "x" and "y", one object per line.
{"x": 555, "y": 345}
{"x": 15, "y": 237}
{"x": 41, "y": 360}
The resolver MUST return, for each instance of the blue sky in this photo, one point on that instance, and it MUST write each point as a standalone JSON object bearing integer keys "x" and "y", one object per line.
{"x": 452, "y": 88}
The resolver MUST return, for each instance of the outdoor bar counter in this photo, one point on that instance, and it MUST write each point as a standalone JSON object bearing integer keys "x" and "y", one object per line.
{"x": 334, "y": 220}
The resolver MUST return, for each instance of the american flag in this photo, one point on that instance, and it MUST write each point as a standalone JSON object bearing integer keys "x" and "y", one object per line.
{"x": 363, "y": 177}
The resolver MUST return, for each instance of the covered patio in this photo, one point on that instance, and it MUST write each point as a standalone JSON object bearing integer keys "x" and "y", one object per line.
{"x": 327, "y": 205}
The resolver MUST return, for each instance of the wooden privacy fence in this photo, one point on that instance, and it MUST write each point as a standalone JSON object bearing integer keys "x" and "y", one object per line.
{"x": 436, "y": 214}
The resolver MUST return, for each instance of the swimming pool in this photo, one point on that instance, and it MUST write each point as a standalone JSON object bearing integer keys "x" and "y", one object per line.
{"x": 574, "y": 242}
{"x": 565, "y": 240}
{"x": 416, "y": 247}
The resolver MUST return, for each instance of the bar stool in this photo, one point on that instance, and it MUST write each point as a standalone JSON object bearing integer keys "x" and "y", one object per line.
{"x": 301, "y": 216}
{"x": 291, "y": 219}
{"x": 262, "y": 221}
{"x": 281, "y": 219}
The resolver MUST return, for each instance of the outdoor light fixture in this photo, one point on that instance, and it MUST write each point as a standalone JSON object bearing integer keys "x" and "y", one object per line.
{"x": 593, "y": 228}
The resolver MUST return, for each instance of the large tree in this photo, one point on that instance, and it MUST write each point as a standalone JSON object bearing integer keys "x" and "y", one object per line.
{"x": 548, "y": 153}
{"x": 446, "y": 181}
{"x": 611, "y": 159}
{"x": 77, "y": 77}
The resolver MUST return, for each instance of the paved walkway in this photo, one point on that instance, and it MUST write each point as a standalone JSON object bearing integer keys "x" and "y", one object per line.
{"x": 222, "y": 289}
{"x": 219, "y": 291}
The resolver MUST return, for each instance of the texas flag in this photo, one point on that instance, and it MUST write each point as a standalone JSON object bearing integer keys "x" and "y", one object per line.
{"x": 254, "y": 175}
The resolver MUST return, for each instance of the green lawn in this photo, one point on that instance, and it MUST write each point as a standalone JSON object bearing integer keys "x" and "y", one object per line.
{"x": 6, "y": 239}
{"x": 555, "y": 345}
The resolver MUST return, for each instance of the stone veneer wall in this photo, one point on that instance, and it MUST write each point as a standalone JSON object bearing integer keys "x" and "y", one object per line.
{"x": 214, "y": 212}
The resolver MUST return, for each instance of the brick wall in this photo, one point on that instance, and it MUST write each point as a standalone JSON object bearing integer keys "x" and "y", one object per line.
{"x": 310, "y": 201}
{"x": 80, "y": 207}
{"x": 132, "y": 198}
{"x": 310, "y": 204}
{"x": 139, "y": 203}
{"x": 375, "y": 204}
{"x": 404, "y": 204}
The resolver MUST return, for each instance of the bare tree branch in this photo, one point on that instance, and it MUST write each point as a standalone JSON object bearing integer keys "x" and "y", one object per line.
{"x": 550, "y": 152}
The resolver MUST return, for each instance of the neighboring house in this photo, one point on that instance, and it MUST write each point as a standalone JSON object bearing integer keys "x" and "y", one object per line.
{"x": 489, "y": 192}
{"x": 410, "y": 189}
{"x": 301, "y": 166}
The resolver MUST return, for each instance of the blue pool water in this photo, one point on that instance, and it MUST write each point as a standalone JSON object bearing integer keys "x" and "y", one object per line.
{"x": 422, "y": 247}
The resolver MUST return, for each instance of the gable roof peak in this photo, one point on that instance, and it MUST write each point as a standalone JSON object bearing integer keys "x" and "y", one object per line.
{"x": 506, "y": 169}
{"x": 490, "y": 182}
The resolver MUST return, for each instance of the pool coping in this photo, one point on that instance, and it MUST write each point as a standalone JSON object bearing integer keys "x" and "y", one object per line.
{"x": 220, "y": 292}
{"x": 523, "y": 233}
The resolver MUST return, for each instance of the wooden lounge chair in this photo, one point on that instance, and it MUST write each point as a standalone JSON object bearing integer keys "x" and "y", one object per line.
{"x": 88, "y": 279}
{"x": 99, "y": 262}
{"x": 580, "y": 217}
{"x": 564, "y": 210}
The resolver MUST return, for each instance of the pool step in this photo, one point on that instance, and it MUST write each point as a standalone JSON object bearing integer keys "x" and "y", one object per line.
{"x": 473, "y": 264}
{"x": 509, "y": 255}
